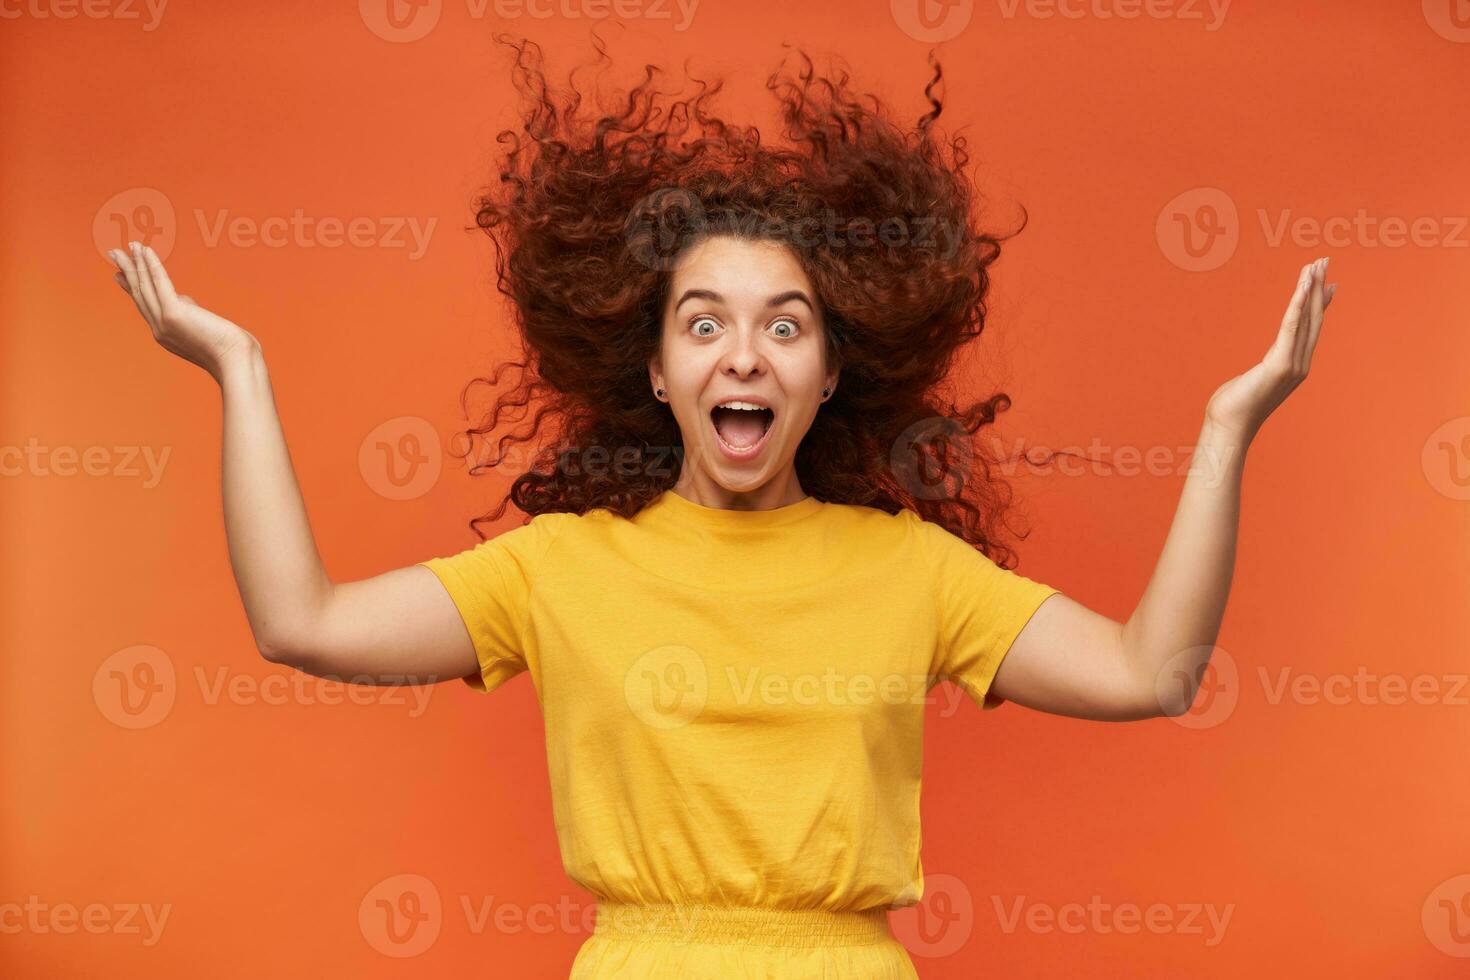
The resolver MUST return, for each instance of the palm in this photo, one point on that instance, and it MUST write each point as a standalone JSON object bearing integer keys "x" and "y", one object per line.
{"x": 180, "y": 325}
{"x": 1243, "y": 403}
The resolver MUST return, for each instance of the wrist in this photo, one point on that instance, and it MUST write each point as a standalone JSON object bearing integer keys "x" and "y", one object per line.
{"x": 244, "y": 358}
{"x": 1224, "y": 438}
{"x": 1220, "y": 450}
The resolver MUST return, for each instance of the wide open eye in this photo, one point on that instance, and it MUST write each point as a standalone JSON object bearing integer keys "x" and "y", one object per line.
{"x": 793, "y": 328}
{"x": 695, "y": 322}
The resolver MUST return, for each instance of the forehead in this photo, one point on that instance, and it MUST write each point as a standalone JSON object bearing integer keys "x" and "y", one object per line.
{"x": 740, "y": 269}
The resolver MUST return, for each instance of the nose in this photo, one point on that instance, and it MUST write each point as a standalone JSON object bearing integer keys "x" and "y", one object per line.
{"x": 742, "y": 356}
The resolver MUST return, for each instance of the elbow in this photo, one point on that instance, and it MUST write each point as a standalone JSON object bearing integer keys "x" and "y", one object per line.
{"x": 273, "y": 652}
{"x": 1165, "y": 686}
{"x": 278, "y": 649}
{"x": 1173, "y": 707}
{"x": 1177, "y": 696}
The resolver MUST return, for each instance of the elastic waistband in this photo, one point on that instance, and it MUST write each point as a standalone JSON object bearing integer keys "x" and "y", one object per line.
{"x": 760, "y": 926}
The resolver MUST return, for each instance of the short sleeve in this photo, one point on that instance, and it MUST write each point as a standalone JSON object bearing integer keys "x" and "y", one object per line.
{"x": 491, "y": 587}
{"x": 981, "y": 609}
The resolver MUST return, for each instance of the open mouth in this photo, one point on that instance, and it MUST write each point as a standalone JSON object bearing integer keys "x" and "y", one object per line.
{"x": 741, "y": 427}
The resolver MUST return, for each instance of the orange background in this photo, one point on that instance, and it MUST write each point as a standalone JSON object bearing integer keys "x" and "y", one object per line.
{"x": 264, "y": 827}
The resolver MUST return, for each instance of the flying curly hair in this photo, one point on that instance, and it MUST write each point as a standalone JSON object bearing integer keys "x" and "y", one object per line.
{"x": 589, "y": 214}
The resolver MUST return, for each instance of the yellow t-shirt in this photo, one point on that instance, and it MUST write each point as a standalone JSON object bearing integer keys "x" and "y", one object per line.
{"x": 734, "y": 700}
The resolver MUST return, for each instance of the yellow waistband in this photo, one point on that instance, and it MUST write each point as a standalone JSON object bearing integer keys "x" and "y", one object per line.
{"x": 763, "y": 926}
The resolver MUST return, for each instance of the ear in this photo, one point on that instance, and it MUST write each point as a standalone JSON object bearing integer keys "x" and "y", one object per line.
{"x": 830, "y": 383}
{"x": 655, "y": 373}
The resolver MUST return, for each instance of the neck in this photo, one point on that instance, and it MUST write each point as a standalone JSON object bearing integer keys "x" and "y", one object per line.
{"x": 779, "y": 491}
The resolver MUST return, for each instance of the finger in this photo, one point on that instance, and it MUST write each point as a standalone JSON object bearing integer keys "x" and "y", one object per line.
{"x": 130, "y": 273}
{"x": 162, "y": 284}
{"x": 1304, "y": 329}
{"x": 1319, "y": 283}
{"x": 1314, "y": 318}
{"x": 145, "y": 282}
{"x": 1327, "y": 293}
{"x": 1286, "y": 336}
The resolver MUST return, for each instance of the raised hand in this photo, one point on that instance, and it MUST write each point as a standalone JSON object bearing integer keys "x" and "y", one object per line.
{"x": 180, "y": 325}
{"x": 1239, "y": 406}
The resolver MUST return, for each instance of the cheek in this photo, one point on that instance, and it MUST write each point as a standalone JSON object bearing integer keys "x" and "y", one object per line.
{"x": 802, "y": 381}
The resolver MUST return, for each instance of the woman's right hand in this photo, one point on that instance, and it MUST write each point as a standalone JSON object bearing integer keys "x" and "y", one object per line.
{"x": 180, "y": 325}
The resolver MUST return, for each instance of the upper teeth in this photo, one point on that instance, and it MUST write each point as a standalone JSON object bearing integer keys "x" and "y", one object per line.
{"x": 749, "y": 406}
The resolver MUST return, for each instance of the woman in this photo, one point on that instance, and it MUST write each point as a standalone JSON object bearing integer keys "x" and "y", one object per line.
{"x": 736, "y": 591}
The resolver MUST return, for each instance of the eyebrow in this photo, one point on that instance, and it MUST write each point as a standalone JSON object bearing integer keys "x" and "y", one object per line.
{"x": 777, "y": 300}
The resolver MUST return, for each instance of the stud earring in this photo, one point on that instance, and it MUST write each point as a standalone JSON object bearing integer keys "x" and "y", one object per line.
{"x": 826, "y": 392}
{"x": 659, "y": 393}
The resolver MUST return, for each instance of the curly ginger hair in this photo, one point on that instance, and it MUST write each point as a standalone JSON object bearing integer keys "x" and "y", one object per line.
{"x": 589, "y": 214}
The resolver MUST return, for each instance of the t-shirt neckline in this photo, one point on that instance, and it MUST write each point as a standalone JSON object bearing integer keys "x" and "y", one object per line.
{"x": 724, "y": 517}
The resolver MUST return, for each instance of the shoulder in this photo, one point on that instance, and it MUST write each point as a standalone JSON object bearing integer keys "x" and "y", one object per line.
{"x": 905, "y": 528}
{"x": 905, "y": 521}
{"x": 936, "y": 544}
{"x": 531, "y": 540}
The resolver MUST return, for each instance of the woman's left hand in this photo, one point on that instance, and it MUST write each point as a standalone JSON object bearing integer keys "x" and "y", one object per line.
{"x": 1239, "y": 406}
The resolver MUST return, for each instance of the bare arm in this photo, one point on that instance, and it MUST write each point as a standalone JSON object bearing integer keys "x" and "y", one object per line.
{"x": 1072, "y": 661}
{"x": 398, "y": 627}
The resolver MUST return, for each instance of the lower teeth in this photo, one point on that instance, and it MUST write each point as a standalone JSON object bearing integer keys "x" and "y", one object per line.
{"x": 741, "y": 449}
